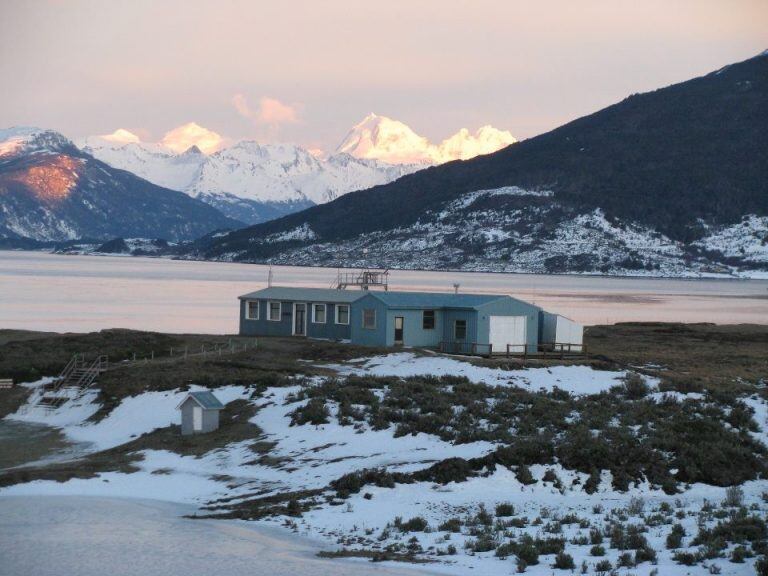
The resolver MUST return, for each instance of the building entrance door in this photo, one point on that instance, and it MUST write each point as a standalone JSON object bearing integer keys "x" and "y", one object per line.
{"x": 399, "y": 328}
{"x": 299, "y": 319}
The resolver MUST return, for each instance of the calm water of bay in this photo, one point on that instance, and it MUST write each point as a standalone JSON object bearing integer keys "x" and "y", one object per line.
{"x": 40, "y": 291}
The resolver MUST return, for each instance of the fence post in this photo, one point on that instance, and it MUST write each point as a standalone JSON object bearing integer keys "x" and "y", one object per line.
{"x": 171, "y": 351}
{"x": 134, "y": 356}
{"x": 185, "y": 352}
{"x": 153, "y": 354}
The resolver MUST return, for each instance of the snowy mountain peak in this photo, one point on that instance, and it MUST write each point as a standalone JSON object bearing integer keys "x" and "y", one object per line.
{"x": 121, "y": 136}
{"x": 381, "y": 138}
{"x": 26, "y": 139}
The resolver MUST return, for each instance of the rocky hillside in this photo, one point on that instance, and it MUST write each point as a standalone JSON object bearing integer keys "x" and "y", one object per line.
{"x": 50, "y": 190}
{"x": 672, "y": 181}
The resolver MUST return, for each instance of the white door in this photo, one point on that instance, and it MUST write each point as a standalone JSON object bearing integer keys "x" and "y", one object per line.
{"x": 197, "y": 418}
{"x": 508, "y": 330}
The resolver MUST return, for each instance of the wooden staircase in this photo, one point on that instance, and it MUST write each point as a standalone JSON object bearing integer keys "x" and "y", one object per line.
{"x": 73, "y": 381}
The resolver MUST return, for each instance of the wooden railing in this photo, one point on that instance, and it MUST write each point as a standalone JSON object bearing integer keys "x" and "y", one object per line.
{"x": 468, "y": 348}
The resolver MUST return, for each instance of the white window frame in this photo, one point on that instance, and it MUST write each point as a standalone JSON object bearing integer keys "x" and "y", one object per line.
{"x": 279, "y": 311}
{"x": 434, "y": 319}
{"x": 374, "y": 318}
{"x": 325, "y": 313}
{"x": 248, "y": 309}
{"x": 336, "y": 314}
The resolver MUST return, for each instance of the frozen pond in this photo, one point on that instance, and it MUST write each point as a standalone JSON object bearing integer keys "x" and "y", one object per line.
{"x": 57, "y": 535}
{"x": 40, "y": 291}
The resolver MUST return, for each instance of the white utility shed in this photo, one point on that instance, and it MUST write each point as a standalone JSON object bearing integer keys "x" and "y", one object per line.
{"x": 561, "y": 332}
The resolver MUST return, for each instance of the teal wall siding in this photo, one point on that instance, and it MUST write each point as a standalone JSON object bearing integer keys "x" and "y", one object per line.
{"x": 264, "y": 327}
{"x": 450, "y": 316}
{"x": 365, "y": 336}
{"x": 509, "y": 307}
{"x": 413, "y": 328}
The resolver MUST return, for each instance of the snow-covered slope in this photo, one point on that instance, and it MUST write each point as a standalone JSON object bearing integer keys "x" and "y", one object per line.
{"x": 511, "y": 229}
{"x": 381, "y": 138}
{"x": 248, "y": 181}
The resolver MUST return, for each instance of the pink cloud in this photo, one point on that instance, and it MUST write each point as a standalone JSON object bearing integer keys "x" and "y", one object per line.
{"x": 270, "y": 112}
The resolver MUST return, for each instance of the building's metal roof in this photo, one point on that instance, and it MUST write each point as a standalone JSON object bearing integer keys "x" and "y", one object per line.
{"x": 205, "y": 399}
{"x": 435, "y": 299}
{"x": 305, "y": 294}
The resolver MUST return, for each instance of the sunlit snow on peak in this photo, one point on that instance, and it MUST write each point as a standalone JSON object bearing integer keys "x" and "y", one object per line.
{"x": 191, "y": 134}
{"x": 121, "y": 136}
{"x": 381, "y": 138}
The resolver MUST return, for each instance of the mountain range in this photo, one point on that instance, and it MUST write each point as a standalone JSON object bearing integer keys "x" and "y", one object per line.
{"x": 51, "y": 190}
{"x": 254, "y": 182}
{"x": 673, "y": 181}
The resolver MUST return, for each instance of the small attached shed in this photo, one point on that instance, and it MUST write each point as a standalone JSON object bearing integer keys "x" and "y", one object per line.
{"x": 560, "y": 333}
{"x": 199, "y": 413}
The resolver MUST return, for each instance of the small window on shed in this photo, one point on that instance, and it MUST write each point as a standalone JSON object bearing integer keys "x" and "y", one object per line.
{"x": 252, "y": 309}
{"x": 342, "y": 313}
{"x": 369, "y": 318}
{"x": 275, "y": 312}
{"x": 318, "y": 313}
{"x": 460, "y": 330}
{"x": 428, "y": 320}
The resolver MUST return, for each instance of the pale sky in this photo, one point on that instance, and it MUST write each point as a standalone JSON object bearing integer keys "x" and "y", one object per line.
{"x": 306, "y": 71}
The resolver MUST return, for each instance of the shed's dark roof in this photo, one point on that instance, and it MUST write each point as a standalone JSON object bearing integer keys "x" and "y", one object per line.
{"x": 206, "y": 400}
{"x": 305, "y": 294}
{"x": 435, "y": 299}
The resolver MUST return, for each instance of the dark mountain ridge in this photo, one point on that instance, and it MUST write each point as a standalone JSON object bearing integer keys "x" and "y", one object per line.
{"x": 672, "y": 160}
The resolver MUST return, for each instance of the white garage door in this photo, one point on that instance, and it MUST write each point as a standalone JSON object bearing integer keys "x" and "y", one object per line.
{"x": 508, "y": 330}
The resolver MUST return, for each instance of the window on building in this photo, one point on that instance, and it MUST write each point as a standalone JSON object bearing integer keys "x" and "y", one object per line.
{"x": 460, "y": 330}
{"x": 369, "y": 318}
{"x": 275, "y": 312}
{"x": 428, "y": 320}
{"x": 342, "y": 313}
{"x": 252, "y": 309}
{"x": 318, "y": 313}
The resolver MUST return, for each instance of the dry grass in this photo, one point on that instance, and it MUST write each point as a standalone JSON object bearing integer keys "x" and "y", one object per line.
{"x": 702, "y": 355}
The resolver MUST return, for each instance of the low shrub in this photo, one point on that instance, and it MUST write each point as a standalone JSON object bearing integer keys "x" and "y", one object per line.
{"x": 686, "y": 558}
{"x": 675, "y": 537}
{"x": 528, "y": 554}
{"x": 415, "y": 524}
{"x": 505, "y": 509}
{"x": 603, "y": 566}
{"x": 451, "y": 525}
{"x": 564, "y": 561}
{"x": 597, "y": 550}
{"x": 314, "y": 412}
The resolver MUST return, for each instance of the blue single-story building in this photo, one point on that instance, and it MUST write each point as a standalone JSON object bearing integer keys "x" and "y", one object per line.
{"x": 463, "y": 323}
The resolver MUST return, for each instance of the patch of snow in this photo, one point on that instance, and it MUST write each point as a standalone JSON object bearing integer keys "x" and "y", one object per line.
{"x": 573, "y": 379}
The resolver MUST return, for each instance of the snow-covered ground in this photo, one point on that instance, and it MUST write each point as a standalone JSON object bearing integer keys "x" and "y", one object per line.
{"x": 573, "y": 379}
{"x": 308, "y": 457}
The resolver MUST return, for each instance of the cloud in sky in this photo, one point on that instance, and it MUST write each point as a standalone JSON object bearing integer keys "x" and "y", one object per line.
{"x": 192, "y": 134}
{"x": 270, "y": 112}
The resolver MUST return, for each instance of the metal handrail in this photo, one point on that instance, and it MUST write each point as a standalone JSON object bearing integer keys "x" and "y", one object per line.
{"x": 71, "y": 366}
